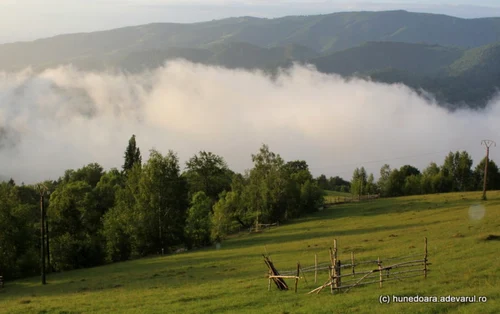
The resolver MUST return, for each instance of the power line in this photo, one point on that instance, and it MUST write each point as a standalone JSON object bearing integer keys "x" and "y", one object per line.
{"x": 385, "y": 160}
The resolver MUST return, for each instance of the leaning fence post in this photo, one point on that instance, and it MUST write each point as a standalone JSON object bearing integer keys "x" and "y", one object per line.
{"x": 269, "y": 284}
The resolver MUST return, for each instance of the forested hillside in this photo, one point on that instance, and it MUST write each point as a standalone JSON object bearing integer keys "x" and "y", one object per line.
{"x": 322, "y": 33}
{"x": 145, "y": 208}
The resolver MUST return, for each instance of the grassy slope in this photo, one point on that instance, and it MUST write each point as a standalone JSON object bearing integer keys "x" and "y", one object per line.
{"x": 232, "y": 279}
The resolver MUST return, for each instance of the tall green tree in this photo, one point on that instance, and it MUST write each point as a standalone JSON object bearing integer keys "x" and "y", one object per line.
{"x": 19, "y": 223}
{"x": 413, "y": 185}
{"x": 383, "y": 181}
{"x": 395, "y": 183}
{"x": 359, "y": 181}
{"x": 457, "y": 168}
{"x": 304, "y": 195}
{"x": 91, "y": 174}
{"x": 238, "y": 201}
{"x": 427, "y": 178}
{"x": 132, "y": 155}
{"x": 225, "y": 211}
{"x": 107, "y": 188}
{"x": 199, "y": 220}
{"x": 75, "y": 225}
{"x": 408, "y": 170}
{"x": 323, "y": 182}
{"x": 356, "y": 183}
{"x": 493, "y": 179}
{"x": 266, "y": 192}
{"x": 311, "y": 197}
{"x": 123, "y": 227}
{"x": 338, "y": 184}
{"x": 371, "y": 187}
{"x": 209, "y": 173}
{"x": 163, "y": 202}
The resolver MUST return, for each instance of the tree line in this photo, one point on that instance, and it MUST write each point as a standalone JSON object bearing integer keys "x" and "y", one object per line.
{"x": 97, "y": 217}
{"x": 454, "y": 175}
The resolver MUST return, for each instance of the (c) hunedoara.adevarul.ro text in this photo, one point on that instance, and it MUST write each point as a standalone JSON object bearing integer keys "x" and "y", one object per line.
{"x": 386, "y": 299}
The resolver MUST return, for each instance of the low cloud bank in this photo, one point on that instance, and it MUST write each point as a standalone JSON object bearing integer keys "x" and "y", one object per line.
{"x": 64, "y": 118}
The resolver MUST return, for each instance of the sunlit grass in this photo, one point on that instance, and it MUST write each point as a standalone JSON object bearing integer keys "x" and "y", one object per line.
{"x": 232, "y": 280}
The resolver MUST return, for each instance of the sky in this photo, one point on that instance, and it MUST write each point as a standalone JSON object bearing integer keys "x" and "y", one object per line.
{"x": 64, "y": 119}
{"x": 22, "y": 20}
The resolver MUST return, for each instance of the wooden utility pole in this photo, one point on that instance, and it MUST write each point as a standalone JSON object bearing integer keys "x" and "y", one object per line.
{"x": 47, "y": 247}
{"x": 488, "y": 144}
{"x": 42, "y": 189}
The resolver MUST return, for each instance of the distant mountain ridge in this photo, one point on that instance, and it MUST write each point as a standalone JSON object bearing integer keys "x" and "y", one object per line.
{"x": 455, "y": 59}
{"x": 322, "y": 33}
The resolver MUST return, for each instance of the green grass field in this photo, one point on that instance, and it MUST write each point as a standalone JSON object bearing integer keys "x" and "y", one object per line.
{"x": 232, "y": 280}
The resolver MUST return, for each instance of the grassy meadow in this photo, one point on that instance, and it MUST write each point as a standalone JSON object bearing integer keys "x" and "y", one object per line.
{"x": 232, "y": 279}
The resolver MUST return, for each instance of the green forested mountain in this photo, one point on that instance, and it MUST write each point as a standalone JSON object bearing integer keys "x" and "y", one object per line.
{"x": 322, "y": 33}
{"x": 230, "y": 55}
{"x": 243, "y": 55}
{"x": 456, "y": 60}
{"x": 482, "y": 60}
{"x": 419, "y": 59}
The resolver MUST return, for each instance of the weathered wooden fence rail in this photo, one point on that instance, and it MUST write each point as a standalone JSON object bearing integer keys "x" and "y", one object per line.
{"x": 263, "y": 226}
{"x": 332, "y": 200}
{"x": 357, "y": 273}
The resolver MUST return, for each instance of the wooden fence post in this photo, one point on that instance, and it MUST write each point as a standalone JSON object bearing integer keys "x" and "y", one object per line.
{"x": 425, "y": 259}
{"x": 352, "y": 263}
{"x": 331, "y": 270}
{"x": 269, "y": 284}
{"x": 298, "y": 274}
{"x": 380, "y": 271}
{"x": 334, "y": 267}
{"x": 338, "y": 282}
{"x": 315, "y": 268}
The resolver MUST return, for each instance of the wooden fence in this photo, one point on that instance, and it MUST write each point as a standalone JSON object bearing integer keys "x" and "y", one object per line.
{"x": 263, "y": 226}
{"x": 334, "y": 200}
{"x": 344, "y": 276}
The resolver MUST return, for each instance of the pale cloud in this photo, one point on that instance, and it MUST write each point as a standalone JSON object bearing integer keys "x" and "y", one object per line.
{"x": 64, "y": 118}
